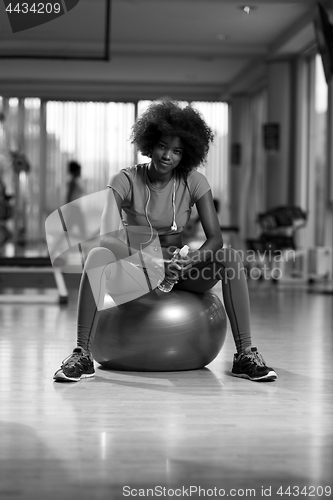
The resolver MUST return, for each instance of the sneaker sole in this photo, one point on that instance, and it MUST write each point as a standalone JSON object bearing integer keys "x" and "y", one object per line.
{"x": 61, "y": 377}
{"x": 270, "y": 377}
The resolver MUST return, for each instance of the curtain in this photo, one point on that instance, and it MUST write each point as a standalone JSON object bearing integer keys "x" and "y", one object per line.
{"x": 96, "y": 135}
{"x": 216, "y": 169}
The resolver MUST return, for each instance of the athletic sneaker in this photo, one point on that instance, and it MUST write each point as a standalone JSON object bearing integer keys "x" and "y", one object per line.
{"x": 251, "y": 365}
{"x": 76, "y": 366}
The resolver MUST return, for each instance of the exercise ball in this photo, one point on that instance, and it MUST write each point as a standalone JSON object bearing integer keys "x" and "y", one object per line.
{"x": 161, "y": 332}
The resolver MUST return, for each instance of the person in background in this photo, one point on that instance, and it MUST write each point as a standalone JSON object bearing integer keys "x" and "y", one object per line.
{"x": 75, "y": 191}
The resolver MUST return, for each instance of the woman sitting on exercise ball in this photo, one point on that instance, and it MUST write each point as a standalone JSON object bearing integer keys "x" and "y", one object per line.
{"x": 159, "y": 195}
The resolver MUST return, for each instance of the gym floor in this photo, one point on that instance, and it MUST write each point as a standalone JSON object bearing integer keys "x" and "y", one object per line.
{"x": 120, "y": 433}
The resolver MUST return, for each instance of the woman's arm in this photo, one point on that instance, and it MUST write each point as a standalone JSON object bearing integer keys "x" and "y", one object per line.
{"x": 210, "y": 223}
{"x": 211, "y": 226}
{"x": 111, "y": 226}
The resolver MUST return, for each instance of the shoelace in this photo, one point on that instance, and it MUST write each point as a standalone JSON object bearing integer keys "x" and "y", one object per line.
{"x": 256, "y": 357}
{"x": 72, "y": 359}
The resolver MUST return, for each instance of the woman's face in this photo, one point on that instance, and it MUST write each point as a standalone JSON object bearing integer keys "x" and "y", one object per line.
{"x": 167, "y": 154}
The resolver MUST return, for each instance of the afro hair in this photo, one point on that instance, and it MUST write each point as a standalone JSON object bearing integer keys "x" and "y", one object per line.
{"x": 166, "y": 117}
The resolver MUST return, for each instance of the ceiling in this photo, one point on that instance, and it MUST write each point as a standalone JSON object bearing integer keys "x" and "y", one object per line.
{"x": 188, "y": 49}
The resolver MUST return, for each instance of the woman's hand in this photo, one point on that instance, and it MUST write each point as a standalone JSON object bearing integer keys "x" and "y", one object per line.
{"x": 154, "y": 264}
{"x": 161, "y": 267}
{"x": 172, "y": 270}
{"x": 177, "y": 267}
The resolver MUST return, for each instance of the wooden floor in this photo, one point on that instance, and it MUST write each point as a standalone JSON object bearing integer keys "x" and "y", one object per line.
{"x": 109, "y": 437}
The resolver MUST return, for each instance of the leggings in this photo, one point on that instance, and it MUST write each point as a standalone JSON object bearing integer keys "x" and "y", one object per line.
{"x": 226, "y": 266}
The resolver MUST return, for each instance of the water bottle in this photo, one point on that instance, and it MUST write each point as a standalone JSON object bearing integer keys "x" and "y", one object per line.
{"x": 165, "y": 285}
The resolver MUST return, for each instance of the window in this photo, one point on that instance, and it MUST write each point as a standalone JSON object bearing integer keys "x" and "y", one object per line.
{"x": 97, "y": 135}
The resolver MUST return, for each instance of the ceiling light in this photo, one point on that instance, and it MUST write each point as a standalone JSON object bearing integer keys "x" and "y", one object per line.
{"x": 247, "y": 8}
